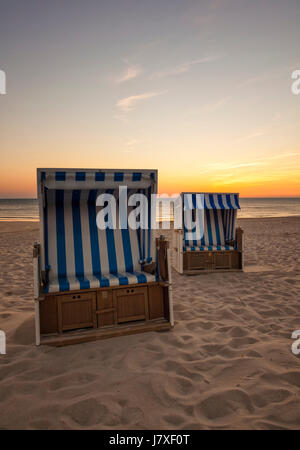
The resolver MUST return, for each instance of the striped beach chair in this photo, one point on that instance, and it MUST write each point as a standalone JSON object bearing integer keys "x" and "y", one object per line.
{"x": 83, "y": 273}
{"x": 209, "y": 239}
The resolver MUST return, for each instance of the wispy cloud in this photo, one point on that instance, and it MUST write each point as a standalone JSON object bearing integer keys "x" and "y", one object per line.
{"x": 266, "y": 76}
{"x": 254, "y": 135}
{"x": 217, "y": 105}
{"x": 183, "y": 68}
{"x": 284, "y": 155}
{"x": 130, "y": 145}
{"x": 130, "y": 73}
{"x": 264, "y": 130}
{"x": 132, "y": 142}
{"x": 255, "y": 80}
{"x": 129, "y": 103}
{"x": 228, "y": 168}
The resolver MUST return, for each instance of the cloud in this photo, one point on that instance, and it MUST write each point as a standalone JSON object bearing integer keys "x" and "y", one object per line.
{"x": 131, "y": 145}
{"x": 252, "y": 136}
{"x": 266, "y": 76}
{"x": 254, "y": 80}
{"x": 129, "y": 74}
{"x": 183, "y": 68}
{"x": 284, "y": 155}
{"x": 129, "y": 103}
{"x": 226, "y": 167}
{"x": 132, "y": 142}
{"x": 222, "y": 166}
{"x": 215, "y": 106}
{"x": 263, "y": 131}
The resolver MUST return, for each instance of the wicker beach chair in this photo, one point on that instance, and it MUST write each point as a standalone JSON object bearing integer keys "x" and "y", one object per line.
{"x": 209, "y": 240}
{"x": 92, "y": 283}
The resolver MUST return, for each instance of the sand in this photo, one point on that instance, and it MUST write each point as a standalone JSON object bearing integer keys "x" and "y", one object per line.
{"x": 226, "y": 365}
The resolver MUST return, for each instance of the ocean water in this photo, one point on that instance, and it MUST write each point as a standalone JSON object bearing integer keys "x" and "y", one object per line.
{"x": 258, "y": 208}
{"x": 27, "y": 209}
{"x": 19, "y": 209}
{"x": 269, "y": 207}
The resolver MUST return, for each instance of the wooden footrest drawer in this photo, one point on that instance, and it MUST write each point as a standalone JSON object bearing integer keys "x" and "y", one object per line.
{"x": 131, "y": 304}
{"x": 76, "y": 311}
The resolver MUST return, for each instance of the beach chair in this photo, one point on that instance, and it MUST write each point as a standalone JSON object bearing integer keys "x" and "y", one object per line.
{"x": 208, "y": 240}
{"x": 92, "y": 283}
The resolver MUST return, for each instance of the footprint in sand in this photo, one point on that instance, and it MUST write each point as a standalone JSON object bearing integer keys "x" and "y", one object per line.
{"x": 40, "y": 425}
{"x": 238, "y": 332}
{"x": 253, "y": 354}
{"x": 172, "y": 390}
{"x": 240, "y": 342}
{"x": 63, "y": 381}
{"x": 174, "y": 420}
{"x": 86, "y": 412}
{"x": 292, "y": 378}
{"x": 180, "y": 386}
{"x": 131, "y": 416}
{"x": 5, "y": 315}
{"x": 178, "y": 368}
{"x": 268, "y": 396}
{"x": 225, "y": 403}
{"x": 264, "y": 425}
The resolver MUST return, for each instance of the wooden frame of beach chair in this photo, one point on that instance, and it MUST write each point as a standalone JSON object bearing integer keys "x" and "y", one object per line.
{"x": 221, "y": 245}
{"x": 92, "y": 283}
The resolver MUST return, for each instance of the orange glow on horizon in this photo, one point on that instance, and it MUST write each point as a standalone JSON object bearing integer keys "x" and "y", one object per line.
{"x": 23, "y": 185}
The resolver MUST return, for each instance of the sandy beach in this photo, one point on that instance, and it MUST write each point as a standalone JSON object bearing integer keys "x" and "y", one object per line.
{"x": 226, "y": 365}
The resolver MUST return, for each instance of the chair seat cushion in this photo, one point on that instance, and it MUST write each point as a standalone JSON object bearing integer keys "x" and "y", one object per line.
{"x": 91, "y": 281}
{"x": 209, "y": 248}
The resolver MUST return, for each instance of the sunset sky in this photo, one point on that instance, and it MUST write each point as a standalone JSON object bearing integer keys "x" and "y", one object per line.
{"x": 200, "y": 90}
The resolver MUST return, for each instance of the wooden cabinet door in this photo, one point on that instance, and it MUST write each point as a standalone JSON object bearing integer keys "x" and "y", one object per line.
{"x": 196, "y": 260}
{"x": 48, "y": 315}
{"x": 131, "y": 304}
{"x": 76, "y": 311}
{"x": 106, "y": 308}
{"x": 223, "y": 260}
{"x": 235, "y": 260}
{"x": 209, "y": 261}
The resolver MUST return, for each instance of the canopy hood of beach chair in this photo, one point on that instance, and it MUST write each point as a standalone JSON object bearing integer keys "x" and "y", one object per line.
{"x": 97, "y": 179}
{"x": 204, "y": 200}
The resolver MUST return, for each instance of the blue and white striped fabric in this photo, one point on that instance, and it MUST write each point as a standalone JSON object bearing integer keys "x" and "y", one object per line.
{"x": 205, "y": 248}
{"x": 213, "y": 216}
{"x": 78, "y": 255}
{"x": 210, "y": 224}
{"x": 211, "y": 201}
{"x": 96, "y": 179}
{"x": 229, "y": 224}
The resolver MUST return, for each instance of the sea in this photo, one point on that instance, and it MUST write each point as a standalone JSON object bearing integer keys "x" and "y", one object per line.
{"x": 27, "y": 209}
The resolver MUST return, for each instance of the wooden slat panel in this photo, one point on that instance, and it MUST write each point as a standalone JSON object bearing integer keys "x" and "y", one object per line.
{"x": 236, "y": 260}
{"x": 156, "y": 302}
{"x": 223, "y": 260}
{"x": 131, "y": 304}
{"x": 77, "y": 311}
{"x": 197, "y": 260}
{"x": 48, "y": 315}
{"x": 106, "y": 308}
{"x": 162, "y": 246}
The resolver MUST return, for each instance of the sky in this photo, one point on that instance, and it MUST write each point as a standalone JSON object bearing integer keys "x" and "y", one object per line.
{"x": 200, "y": 90}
